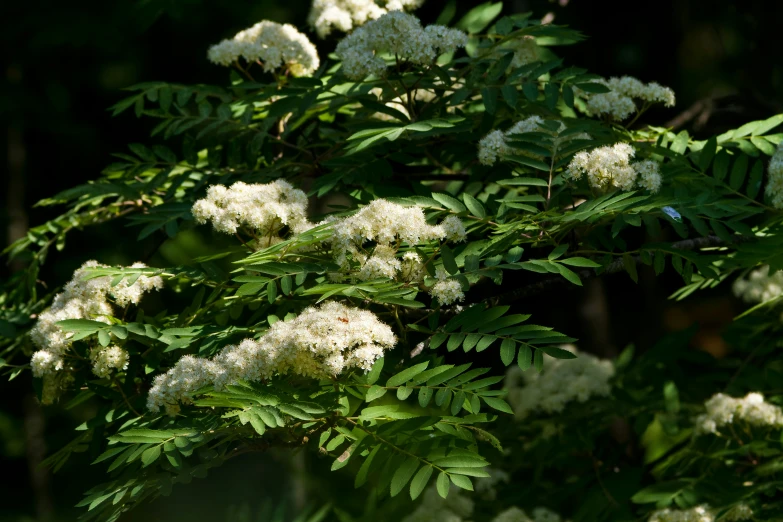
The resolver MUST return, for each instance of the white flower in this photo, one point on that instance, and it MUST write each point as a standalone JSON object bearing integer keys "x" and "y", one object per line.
{"x": 560, "y": 381}
{"x": 760, "y": 286}
{"x": 774, "y": 188}
{"x": 382, "y": 264}
{"x": 263, "y": 208}
{"x": 319, "y": 343}
{"x": 696, "y": 514}
{"x": 619, "y": 103}
{"x": 398, "y": 34}
{"x": 105, "y": 360}
{"x": 611, "y": 166}
{"x": 274, "y": 45}
{"x": 447, "y": 291}
{"x": 649, "y": 175}
{"x": 82, "y": 298}
{"x": 723, "y": 410}
{"x": 344, "y": 15}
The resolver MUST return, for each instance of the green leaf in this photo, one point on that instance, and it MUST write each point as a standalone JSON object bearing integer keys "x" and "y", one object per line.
{"x": 629, "y": 263}
{"x": 364, "y": 469}
{"x": 103, "y": 338}
{"x": 479, "y": 18}
{"x": 474, "y": 206}
{"x": 285, "y": 284}
{"x": 448, "y": 202}
{"x": 150, "y": 455}
{"x": 557, "y": 353}
{"x": 490, "y": 97}
{"x": 530, "y": 90}
{"x": 447, "y": 256}
{"x": 420, "y": 481}
{"x": 569, "y": 275}
{"x": 720, "y": 166}
{"x": 406, "y": 375}
{"x": 498, "y": 404}
{"x": 425, "y": 394}
{"x": 557, "y": 252}
{"x": 738, "y": 171}
{"x": 461, "y": 481}
{"x": 510, "y": 95}
{"x": 461, "y": 461}
{"x": 375, "y": 392}
{"x": 525, "y": 357}
{"x": 580, "y": 262}
{"x": 707, "y": 153}
{"x": 271, "y": 291}
{"x": 508, "y": 349}
{"x": 375, "y": 372}
{"x": 403, "y": 474}
{"x": 661, "y": 492}
{"x": 443, "y": 485}
{"x": 755, "y": 179}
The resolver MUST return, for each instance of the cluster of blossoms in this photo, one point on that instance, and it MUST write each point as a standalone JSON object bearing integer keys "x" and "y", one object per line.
{"x": 388, "y": 224}
{"x": 619, "y": 103}
{"x": 344, "y": 15}
{"x": 398, "y": 34}
{"x": 319, "y": 343}
{"x": 607, "y": 167}
{"x": 273, "y": 45}
{"x": 265, "y": 209}
{"x": 701, "y": 514}
{"x": 560, "y": 381}
{"x": 447, "y": 290}
{"x": 85, "y": 298}
{"x": 495, "y": 144}
{"x": 539, "y": 514}
{"x": 106, "y": 360}
{"x": 774, "y": 188}
{"x": 760, "y": 286}
{"x": 723, "y": 410}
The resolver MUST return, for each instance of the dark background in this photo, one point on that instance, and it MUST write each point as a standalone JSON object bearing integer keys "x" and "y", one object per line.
{"x": 64, "y": 63}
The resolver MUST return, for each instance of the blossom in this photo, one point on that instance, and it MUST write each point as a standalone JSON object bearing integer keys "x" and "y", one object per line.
{"x": 82, "y": 297}
{"x": 540, "y": 514}
{"x": 105, "y": 360}
{"x": 386, "y": 223}
{"x": 344, "y": 15}
{"x": 399, "y": 34}
{"x": 760, "y": 286}
{"x": 274, "y": 45}
{"x": 774, "y": 188}
{"x": 560, "y": 381}
{"x": 264, "y": 208}
{"x": 723, "y": 410}
{"x": 619, "y": 102}
{"x": 611, "y": 166}
{"x": 446, "y": 290}
{"x": 525, "y": 49}
{"x": 319, "y": 343}
{"x": 696, "y": 514}
{"x": 382, "y": 264}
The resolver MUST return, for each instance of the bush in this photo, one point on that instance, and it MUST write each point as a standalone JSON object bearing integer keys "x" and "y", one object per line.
{"x": 384, "y": 222}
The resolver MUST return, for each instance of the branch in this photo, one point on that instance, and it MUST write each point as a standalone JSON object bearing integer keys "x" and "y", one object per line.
{"x": 612, "y": 268}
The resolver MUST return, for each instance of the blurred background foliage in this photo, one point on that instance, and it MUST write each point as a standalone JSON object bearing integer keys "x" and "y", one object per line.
{"x": 65, "y": 63}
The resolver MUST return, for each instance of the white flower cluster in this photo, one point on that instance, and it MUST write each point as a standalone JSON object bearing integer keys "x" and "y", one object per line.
{"x": 774, "y": 188}
{"x": 263, "y": 208}
{"x": 399, "y": 34}
{"x": 388, "y": 224}
{"x": 274, "y": 45}
{"x": 560, "y": 381}
{"x": 81, "y": 298}
{"x": 760, "y": 286}
{"x": 434, "y": 508}
{"x": 495, "y": 144}
{"x": 447, "y": 290}
{"x": 319, "y": 343}
{"x": 105, "y": 360}
{"x": 723, "y": 410}
{"x": 526, "y": 51}
{"x": 701, "y": 514}
{"x": 540, "y": 514}
{"x": 696, "y": 514}
{"x": 619, "y": 103}
{"x": 607, "y": 167}
{"x": 344, "y": 15}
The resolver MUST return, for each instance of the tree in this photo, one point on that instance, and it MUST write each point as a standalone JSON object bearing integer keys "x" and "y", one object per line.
{"x": 389, "y": 216}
